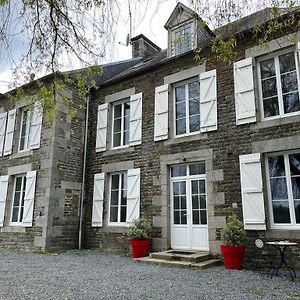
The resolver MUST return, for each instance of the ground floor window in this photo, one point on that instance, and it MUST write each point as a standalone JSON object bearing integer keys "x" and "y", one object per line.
{"x": 18, "y": 199}
{"x": 284, "y": 188}
{"x": 118, "y": 198}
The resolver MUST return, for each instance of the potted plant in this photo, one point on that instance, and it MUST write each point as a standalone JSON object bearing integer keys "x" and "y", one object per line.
{"x": 233, "y": 234}
{"x": 139, "y": 233}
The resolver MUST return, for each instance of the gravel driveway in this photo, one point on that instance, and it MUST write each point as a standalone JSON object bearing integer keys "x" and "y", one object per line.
{"x": 100, "y": 275}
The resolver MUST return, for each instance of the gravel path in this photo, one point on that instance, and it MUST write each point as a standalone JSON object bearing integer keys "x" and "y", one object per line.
{"x": 100, "y": 275}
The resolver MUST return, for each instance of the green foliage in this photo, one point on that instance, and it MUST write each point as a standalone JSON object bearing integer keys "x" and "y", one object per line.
{"x": 140, "y": 229}
{"x": 233, "y": 234}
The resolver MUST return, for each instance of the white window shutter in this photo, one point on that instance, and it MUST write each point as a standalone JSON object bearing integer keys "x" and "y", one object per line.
{"x": 245, "y": 107}
{"x": 135, "y": 119}
{"x": 161, "y": 117}
{"x": 98, "y": 197}
{"x": 101, "y": 127}
{"x": 133, "y": 195}
{"x": 3, "y": 195}
{"x": 3, "y": 118}
{"x": 252, "y": 192}
{"x": 36, "y": 126}
{"x": 29, "y": 199}
{"x": 208, "y": 101}
{"x": 10, "y": 128}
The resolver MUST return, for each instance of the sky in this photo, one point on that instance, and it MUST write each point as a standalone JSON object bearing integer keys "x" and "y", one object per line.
{"x": 149, "y": 21}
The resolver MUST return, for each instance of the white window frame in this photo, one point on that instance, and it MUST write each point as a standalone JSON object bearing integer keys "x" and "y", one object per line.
{"x": 185, "y": 83}
{"x": 118, "y": 223}
{"x": 276, "y": 55}
{"x": 292, "y": 225}
{"x": 27, "y": 130}
{"x": 122, "y": 102}
{"x": 20, "y": 223}
{"x": 173, "y": 39}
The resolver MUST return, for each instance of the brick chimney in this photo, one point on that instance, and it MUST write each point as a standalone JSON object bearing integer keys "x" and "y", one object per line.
{"x": 143, "y": 47}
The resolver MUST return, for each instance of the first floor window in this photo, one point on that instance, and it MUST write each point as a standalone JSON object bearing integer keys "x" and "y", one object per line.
{"x": 118, "y": 198}
{"x": 121, "y": 118}
{"x": 187, "y": 109}
{"x": 284, "y": 188}
{"x": 18, "y": 199}
{"x": 24, "y": 130}
{"x": 279, "y": 84}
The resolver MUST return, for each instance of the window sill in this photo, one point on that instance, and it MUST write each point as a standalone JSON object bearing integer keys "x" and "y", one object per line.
{"x": 186, "y": 138}
{"x": 281, "y": 120}
{"x": 115, "y": 228}
{"x": 118, "y": 151}
{"x": 283, "y": 234}
{"x": 12, "y": 229}
{"x": 21, "y": 154}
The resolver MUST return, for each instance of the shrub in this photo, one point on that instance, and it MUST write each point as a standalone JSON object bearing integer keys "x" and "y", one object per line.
{"x": 140, "y": 229}
{"x": 233, "y": 234}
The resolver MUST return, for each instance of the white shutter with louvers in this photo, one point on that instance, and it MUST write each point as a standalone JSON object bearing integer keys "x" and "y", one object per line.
{"x": 244, "y": 92}
{"x": 29, "y": 199}
{"x": 36, "y": 126}
{"x": 101, "y": 127}
{"x": 161, "y": 117}
{"x": 3, "y": 195}
{"x": 98, "y": 197}
{"x": 3, "y": 118}
{"x": 133, "y": 195}
{"x": 252, "y": 192}
{"x": 10, "y": 128}
{"x": 135, "y": 119}
{"x": 208, "y": 101}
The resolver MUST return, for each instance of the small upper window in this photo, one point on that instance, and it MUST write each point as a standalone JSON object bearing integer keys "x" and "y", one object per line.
{"x": 24, "y": 130}
{"x": 121, "y": 118}
{"x": 186, "y": 107}
{"x": 182, "y": 40}
{"x": 279, "y": 85}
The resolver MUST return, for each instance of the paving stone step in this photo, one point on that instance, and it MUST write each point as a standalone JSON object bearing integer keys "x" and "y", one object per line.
{"x": 193, "y": 257}
{"x": 207, "y": 264}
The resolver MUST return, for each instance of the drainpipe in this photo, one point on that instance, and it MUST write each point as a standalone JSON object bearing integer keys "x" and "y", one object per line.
{"x": 83, "y": 170}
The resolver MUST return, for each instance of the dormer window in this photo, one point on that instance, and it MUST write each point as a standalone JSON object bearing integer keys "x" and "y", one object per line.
{"x": 182, "y": 39}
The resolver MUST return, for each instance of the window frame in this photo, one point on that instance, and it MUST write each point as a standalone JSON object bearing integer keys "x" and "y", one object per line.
{"x": 114, "y": 104}
{"x": 118, "y": 223}
{"x": 187, "y": 117}
{"x": 27, "y": 130}
{"x": 182, "y": 27}
{"x": 276, "y": 55}
{"x": 23, "y": 190}
{"x": 287, "y": 226}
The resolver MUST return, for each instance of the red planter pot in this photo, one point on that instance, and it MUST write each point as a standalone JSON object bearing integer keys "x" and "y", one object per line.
{"x": 140, "y": 248}
{"x": 233, "y": 256}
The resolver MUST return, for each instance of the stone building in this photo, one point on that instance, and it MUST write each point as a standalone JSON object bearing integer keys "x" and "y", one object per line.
{"x": 182, "y": 143}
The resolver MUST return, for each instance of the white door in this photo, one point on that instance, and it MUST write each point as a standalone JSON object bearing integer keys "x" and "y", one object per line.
{"x": 188, "y": 207}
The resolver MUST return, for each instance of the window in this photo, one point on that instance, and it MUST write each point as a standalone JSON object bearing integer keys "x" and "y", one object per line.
{"x": 187, "y": 109}
{"x": 284, "y": 188}
{"x": 182, "y": 40}
{"x": 279, "y": 84}
{"x": 118, "y": 198}
{"x": 121, "y": 118}
{"x": 18, "y": 199}
{"x": 24, "y": 130}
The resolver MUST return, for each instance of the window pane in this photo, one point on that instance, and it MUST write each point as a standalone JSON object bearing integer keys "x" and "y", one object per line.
{"x": 176, "y": 188}
{"x": 196, "y": 218}
{"x": 126, "y": 122}
{"x": 195, "y": 202}
{"x": 294, "y": 160}
{"x": 178, "y": 171}
{"x": 276, "y": 166}
{"x": 181, "y": 126}
{"x": 126, "y": 137}
{"x": 281, "y": 212}
{"x": 267, "y": 68}
{"x": 126, "y": 109}
{"x": 289, "y": 82}
{"x": 183, "y": 188}
{"x": 17, "y": 198}
{"x": 195, "y": 123}
{"x": 291, "y": 102}
{"x": 297, "y": 211}
{"x": 123, "y": 214}
{"x": 117, "y": 140}
{"x": 15, "y": 214}
{"x": 114, "y": 197}
{"x": 195, "y": 187}
{"x": 183, "y": 217}
{"x": 194, "y": 90}
{"x": 202, "y": 202}
{"x": 176, "y": 202}
{"x": 118, "y": 111}
{"x": 117, "y": 125}
{"x": 115, "y": 182}
{"x": 269, "y": 87}
{"x": 180, "y": 110}
{"x": 296, "y": 187}
{"x": 183, "y": 202}
{"x": 176, "y": 217}
{"x": 194, "y": 107}
{"x": 196, "y": 169}
{"x": 202, "y": 186}
{"x": 113, "y": 214}
{"x": 278, "y": 189}
{"x": 271, "y": 107}
{"x": 287, "y": 62}
{"x": 18, "y": 184}
{"x": 180, "y": 93}
{"x": 203, "y": 217}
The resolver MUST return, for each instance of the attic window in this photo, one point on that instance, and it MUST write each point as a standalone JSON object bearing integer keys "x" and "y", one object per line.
{"x": 182, "y": 40}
